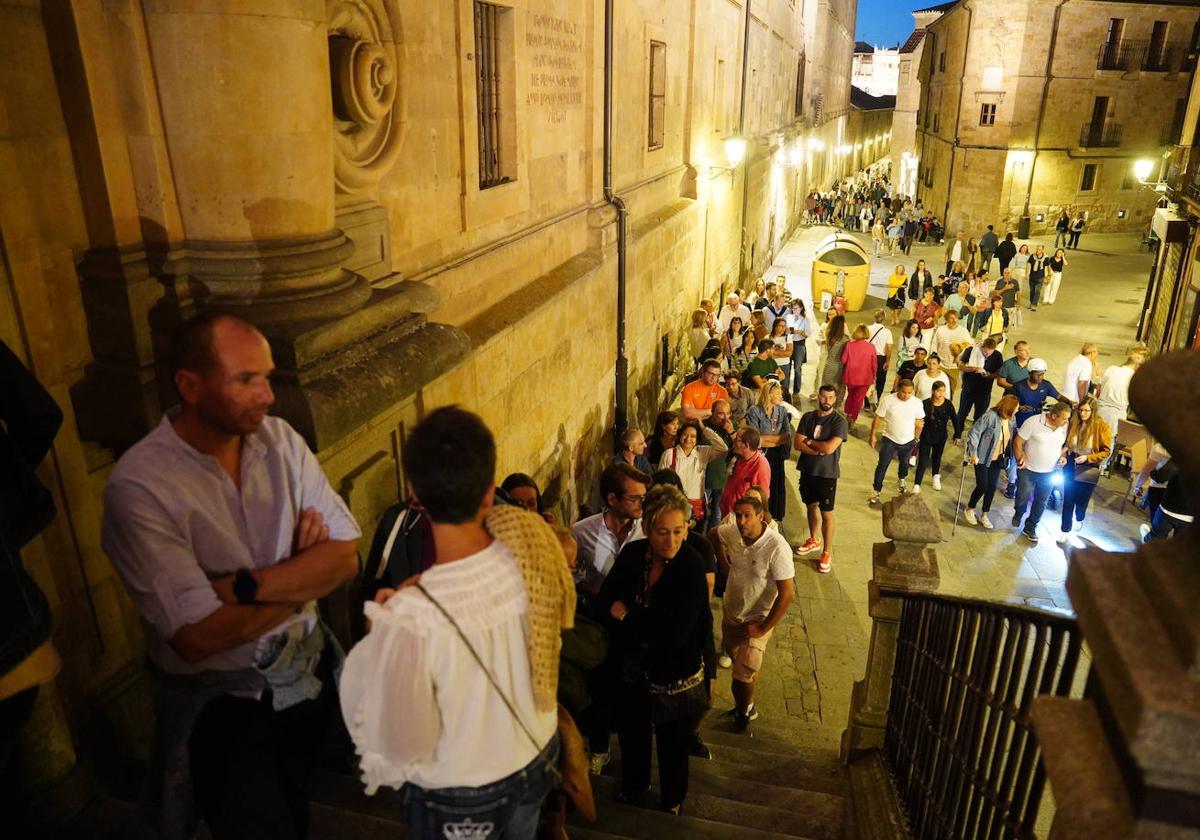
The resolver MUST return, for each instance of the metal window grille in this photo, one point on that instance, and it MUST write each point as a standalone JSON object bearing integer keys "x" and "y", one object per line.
{"x": 658, "y": 93}
{"x": 958, "y": 736}
{"x": 987, "y": 113}
{"x": 487, "y": 93}
{"x": 1088, "y": 180}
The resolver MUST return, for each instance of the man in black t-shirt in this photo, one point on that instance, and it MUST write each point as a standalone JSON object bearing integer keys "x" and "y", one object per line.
{"x": 819, "y": 438}
{"x": 909, "y": 369}
{"x": 978, "y": 365}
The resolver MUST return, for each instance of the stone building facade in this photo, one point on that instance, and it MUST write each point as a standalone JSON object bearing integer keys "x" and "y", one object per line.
{"x": 905, "y": 160}
{"x": 406, "y": 234}
{"x": 1028, "y": 108}
{"x": 876, "y": 69}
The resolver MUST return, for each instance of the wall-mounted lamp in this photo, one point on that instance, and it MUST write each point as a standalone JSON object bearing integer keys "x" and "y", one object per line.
{"x": 1142, "y": 168}
{"x": 1041, "y": 217}
{"x": 1120, "y": 214}
{"x": 795, "y": 155}
{"x": 735, "y": 152}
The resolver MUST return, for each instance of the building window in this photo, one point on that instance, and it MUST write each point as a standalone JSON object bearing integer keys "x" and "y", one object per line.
{"x": 658, "y": 93}
{"x": 494, "y": 93}
{"x": 1128, "y": 180}
{"x": 936, "y": 122}
{"x": 1156, "y": 51}
{"x": 1087, "y": 181}
{"x": 987, "y": 113}
{"x": 799, "y": 110}
{"x": 942, "y": 61}
{"x": 719, "y": 97}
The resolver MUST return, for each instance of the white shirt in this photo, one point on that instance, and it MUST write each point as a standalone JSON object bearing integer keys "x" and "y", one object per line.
{"x": 956, "y": 251}
{"x": 943, "y": 337}
{"x": 691, "y": 468}
{"x": 419, "y": 707}
{"x": 1042, "y": 444}
{"x": 1079, "y": 370}
{"x": 798, "y": 322}
{"x": 753, "y": 570}
{"x": 1114, "y": 389}
{"x": 881, "y": 339}
{"x": 900, "y": 417}
{"x": 923, "y": 383}
{"x": 598, "y": 549}
{"x": 726, "y": 315}
{"x": 173, "y": 518}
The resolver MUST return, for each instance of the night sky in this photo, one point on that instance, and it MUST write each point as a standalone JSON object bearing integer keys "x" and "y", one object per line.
{"x": 886, "y": 23}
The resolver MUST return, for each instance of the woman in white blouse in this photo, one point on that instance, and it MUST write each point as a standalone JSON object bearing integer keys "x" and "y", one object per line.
{"x": 689, "y": 459}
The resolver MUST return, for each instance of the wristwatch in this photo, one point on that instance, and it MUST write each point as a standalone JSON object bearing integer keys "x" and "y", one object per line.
{"x": 245, "y": 586}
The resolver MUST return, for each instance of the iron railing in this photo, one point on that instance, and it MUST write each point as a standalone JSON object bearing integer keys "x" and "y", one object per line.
{"x": 1098, "y": 135}
{"x": 1161, "y": 59}
{"x": 958, "y": 737}
{"x": 1120, "y": 55}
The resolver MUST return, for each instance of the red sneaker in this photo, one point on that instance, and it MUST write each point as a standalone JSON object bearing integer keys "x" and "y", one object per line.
{"x": 825, "y": 566}
{"x": 810, "y": 545}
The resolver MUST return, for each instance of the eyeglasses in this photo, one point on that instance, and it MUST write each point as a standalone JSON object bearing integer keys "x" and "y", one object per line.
{"x": 638, "y": 499}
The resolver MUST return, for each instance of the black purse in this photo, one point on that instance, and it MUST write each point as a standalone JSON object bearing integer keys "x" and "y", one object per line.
{"x": 681, "y": 700}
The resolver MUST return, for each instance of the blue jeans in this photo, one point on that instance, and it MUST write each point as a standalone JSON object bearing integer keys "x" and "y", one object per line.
{"x": 888, "y": 450}
{"x": 1037, "y": 485}
{"x": 799, "y": 357}
{"x": 507, "y": 808}
{"x": 712, "y": 508}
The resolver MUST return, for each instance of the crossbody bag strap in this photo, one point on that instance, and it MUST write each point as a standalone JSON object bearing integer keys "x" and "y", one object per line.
{"x": 496, "y": 685}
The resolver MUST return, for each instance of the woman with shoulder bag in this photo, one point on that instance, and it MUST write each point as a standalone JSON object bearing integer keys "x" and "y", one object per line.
{"x": 994, "y": 322}
{"x": 1088, "y": 445}
{"x": 659, "y": 625}
{"x": 896, "y": 292}
{"x": 774, "y": 425}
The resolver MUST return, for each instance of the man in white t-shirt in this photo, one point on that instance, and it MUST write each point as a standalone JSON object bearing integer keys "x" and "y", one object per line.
{"x": 1040, "y": 447}
{"x": 932, "y": 372}
{"x": 881, "y": 339}
{"x": 902, "y": 416}
{"x": 733, "y": 308}
{"x": 1079, "y": 374}
{"x": 949, "y": 341}
{"x": 601, "y": 537}
{"x": 1113, "y": 395}
{"x": 759, "y": 590}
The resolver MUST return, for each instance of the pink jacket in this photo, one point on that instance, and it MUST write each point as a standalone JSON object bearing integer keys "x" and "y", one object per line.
{"x": 860, "y": 363}
{"x": 744, "y": 475}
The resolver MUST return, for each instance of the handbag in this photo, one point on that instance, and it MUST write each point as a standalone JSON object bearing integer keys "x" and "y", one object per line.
{"x": 681, "y": 700}
{"x": 571, "y": 774}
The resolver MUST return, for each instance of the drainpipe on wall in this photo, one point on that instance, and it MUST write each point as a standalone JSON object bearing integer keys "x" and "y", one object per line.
{"x": 745, "y": 246}
{"x": 1023, "y": 226}
{"x": 962, "y": 79}
{"x": 621, "y": 416}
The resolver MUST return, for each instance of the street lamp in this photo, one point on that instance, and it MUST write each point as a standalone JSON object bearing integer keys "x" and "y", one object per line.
{"x": 735, "y": 152}
{"x": 795, "y": 155}
{"x": 1142, "y": 169}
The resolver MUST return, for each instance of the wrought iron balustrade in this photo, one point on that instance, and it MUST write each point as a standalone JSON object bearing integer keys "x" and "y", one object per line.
{"x": 1120, "y": 55}
{"x": 1164, "y": 59}
{"x": 958, "y": 739}
{"x": 1099, "y": 135}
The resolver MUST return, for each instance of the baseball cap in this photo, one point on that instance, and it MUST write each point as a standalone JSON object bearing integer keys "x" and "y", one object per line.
{"x": 1037, "y": 366}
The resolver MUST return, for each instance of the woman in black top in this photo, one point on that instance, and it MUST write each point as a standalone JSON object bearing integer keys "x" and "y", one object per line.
{"x": 657, "y": 600}
{"x": 1056, "y": 264}
{"x": 939, "y": 413}
{"x": 1037, "y": 275}
{"x": 666, "y": 426}
{"x": 920, "y": 280}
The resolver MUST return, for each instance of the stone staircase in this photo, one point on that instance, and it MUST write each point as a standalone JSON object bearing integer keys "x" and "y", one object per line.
{"x": 783, "y": 780}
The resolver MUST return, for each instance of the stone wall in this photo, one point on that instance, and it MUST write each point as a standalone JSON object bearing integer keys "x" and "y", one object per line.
{"x": 348, "y": 220}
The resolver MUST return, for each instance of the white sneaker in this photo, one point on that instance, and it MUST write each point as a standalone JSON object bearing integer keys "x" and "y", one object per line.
{"x": 969, "y": 515}
{"x": 1062, "y": 537}
{"x": 874, "y": 499}
{"x": 937, "y": 482}
{"x": 916, "y": 489}
{"x": 912, "y": 461}
{"x": 1078, "y": 526}
{"x": 724, "y": 661}
{"x": 985, "y": 522}
{"x": 903, "y": 488}
{"x": 1144, "y": 530}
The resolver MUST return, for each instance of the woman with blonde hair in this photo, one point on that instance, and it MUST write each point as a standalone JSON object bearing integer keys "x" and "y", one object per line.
{"x": 1088, "y": 444}
{"x": 774, "y": 426}
{"x": 986, "y": 450}
{"x": 897, "y": 283}
{"x": 859, "y": 367}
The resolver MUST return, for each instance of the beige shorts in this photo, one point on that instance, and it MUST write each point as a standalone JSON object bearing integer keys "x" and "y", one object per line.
{"x": 746, "y": 653}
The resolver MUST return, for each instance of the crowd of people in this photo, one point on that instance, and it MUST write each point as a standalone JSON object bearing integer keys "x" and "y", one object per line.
{"x": 492, "y": 629}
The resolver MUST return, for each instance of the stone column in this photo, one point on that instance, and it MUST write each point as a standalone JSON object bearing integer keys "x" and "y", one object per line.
{"x": 276, "y": 120}
{"x": 908, "y": 563}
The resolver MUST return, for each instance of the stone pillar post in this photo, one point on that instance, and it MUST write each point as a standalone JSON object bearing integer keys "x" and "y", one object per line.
{"x": 908, "y": 563}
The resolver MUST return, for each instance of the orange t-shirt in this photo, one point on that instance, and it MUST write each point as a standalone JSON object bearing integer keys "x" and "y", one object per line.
{"x": 699, "y": 395}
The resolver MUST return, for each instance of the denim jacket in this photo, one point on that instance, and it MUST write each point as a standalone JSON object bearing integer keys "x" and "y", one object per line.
{"x": 981, "y": 440}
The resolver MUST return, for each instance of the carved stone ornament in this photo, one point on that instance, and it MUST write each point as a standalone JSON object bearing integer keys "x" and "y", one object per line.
{"x": 365, "y": 70}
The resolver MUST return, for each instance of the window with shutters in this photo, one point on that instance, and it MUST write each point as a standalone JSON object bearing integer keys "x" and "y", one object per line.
{"x": 987, "y": 113}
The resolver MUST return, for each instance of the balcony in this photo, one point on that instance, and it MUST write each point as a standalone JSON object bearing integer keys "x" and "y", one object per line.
{"x": 1100, "y": 136}
{"x": 1161, "y": 59}
{"x": 1169, "y": 135}
{"x": 1121, "y": 55}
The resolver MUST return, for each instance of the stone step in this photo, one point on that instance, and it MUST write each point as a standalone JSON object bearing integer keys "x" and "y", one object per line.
{"x": 776, "y": 736}
{"x": 734, "y": 800}
{"x": 1152, "y": 698}
{"x": 634, "y": 822}
{"x": 1171, "y": 582}
{"x": 877, "y": 813}
{"x": 728, "y": 763}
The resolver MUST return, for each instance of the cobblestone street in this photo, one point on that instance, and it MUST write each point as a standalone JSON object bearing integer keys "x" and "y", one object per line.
{"x": 821, "y": 647}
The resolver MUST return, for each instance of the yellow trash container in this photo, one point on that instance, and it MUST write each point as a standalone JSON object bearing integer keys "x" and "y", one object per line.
{"x": 839, "y": 258}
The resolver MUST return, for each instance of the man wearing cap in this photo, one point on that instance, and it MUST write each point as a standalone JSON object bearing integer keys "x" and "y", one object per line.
{"x": 1040, "y": 446}
{"x": 1032, "y": 393}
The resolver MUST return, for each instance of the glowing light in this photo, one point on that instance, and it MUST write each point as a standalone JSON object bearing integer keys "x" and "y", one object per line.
{"x": 735, "y": 150}
{"x": 993, "y": 78}
{"x": 1020, "y": 157}
{"x": 795, "y": 155}
{"x": 1143, "y": 168}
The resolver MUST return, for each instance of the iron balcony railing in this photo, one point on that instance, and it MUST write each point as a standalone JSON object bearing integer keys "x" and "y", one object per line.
{"x": 958, "y": 738}
{"x": 1161, "y": 59}
{"x": 1120, "y": 55}
{"x": 1099, "y": 135}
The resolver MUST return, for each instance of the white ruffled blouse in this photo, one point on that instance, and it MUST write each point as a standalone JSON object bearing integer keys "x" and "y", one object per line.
{"x": 417, "y": 704}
